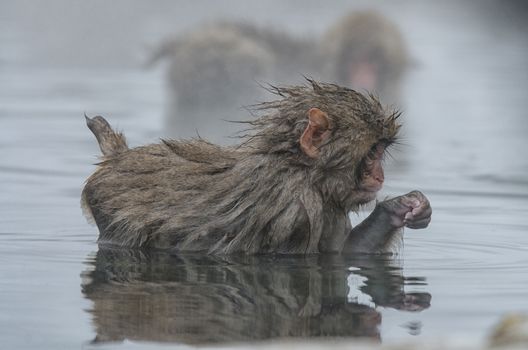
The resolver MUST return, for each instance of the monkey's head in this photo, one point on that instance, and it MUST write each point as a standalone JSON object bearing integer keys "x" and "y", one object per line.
{"x": 337, "y": 135}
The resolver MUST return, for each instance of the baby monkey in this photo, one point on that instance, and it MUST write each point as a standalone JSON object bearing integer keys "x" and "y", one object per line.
{"x": 313, "y": 156}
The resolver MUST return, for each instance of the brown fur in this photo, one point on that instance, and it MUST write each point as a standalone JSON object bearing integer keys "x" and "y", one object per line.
{"x": 109, "y": 141}
{"x": 265, "y": 195}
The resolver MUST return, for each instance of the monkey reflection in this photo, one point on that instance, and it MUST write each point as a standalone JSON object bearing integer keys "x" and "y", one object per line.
{"x": 155, "y": 296}
{"x": 214, "y": 70}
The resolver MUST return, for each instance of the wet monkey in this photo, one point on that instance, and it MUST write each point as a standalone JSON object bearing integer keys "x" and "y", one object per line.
{"x": 313, "y": 156}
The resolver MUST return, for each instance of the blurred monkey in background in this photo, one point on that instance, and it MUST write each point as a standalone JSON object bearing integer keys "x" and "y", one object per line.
{"x": 215, "y": 70}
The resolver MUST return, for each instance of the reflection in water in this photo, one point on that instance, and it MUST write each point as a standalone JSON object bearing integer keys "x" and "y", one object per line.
{"x": 465, "y": 139}
{"x": 193, "y": 299}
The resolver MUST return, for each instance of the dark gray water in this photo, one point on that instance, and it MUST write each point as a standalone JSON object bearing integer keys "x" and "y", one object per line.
{"x": 465, "y": 147}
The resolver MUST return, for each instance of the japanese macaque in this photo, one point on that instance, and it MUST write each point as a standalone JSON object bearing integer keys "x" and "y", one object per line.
{"x": 215, "y": 70}
{"x": 202, "y": 299}
{"x": 313, "y": 156}
{"x": 366, "y": 51}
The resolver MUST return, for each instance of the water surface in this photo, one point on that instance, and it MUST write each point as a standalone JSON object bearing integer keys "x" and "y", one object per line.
{"x": 464, "y": 146}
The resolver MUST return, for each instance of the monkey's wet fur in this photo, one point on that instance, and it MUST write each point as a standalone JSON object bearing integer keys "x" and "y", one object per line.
{"x": 310, "y": 158}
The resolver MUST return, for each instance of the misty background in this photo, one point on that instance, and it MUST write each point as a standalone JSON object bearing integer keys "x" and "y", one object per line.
{"x": 464, "y": 100}
{"x": 467, "y": 81}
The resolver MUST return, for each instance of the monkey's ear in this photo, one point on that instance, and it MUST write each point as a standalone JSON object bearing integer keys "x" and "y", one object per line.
{"x": 316, "y": 132}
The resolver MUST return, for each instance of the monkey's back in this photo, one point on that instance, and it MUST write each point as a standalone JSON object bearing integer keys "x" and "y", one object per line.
{"x": 196, "y": 196}
{"x": 131, "y": 194}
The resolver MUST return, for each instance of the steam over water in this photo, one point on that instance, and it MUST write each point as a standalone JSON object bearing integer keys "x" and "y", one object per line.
{"x": 464, "y": 145}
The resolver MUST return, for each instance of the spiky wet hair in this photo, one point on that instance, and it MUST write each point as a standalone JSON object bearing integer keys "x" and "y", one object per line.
{"x": 357, "y": 123}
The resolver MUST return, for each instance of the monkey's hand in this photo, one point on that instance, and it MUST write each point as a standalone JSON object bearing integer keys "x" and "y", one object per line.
{"x": 375, "y": 234}
{"x": 411, "y": 210}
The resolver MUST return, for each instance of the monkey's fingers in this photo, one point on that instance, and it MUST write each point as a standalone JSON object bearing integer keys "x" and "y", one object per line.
{"x": 420, "y": 215}
{"x": 402, "y": 205}
{"x": 415, "y": 199}
{"x": 423, "y": 210}
{"x": 417, "y": 224}
{"x": 410, "y": 201}
{"x": 418, "y": 204}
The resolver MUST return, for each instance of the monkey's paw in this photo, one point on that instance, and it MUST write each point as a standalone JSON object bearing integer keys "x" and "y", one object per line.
{"x": 411, "y": 210}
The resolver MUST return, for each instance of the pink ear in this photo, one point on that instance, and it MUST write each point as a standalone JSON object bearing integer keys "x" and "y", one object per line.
{"x": 316, "y": 132}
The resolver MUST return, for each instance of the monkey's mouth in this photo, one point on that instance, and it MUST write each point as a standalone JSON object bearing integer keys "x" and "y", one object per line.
{"x": 366, "y": 195}
{"x": 372, "y": 186}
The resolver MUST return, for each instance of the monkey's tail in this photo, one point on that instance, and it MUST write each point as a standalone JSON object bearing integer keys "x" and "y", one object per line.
{"x": 110, "y": 142}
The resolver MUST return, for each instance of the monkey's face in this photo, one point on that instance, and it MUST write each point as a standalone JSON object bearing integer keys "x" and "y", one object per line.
{"x": 333, "y": 133}
{"x": 370, "y": 175}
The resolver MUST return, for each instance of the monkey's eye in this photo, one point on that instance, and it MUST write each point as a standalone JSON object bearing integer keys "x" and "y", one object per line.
{"x": 387, "y": 143}
{"x": 376, "y": 152}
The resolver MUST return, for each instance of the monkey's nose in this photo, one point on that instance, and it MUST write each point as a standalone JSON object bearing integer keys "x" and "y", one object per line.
{"x": 378, "y": 173}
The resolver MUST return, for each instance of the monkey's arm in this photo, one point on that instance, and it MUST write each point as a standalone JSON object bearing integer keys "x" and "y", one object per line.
{"x": 375, "y": 233}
